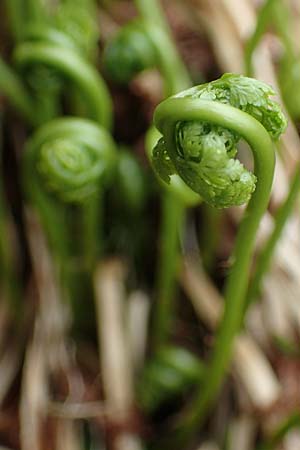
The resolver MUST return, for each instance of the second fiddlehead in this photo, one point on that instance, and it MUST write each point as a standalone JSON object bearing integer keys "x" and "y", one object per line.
{"x": 73, "y": 67}
{"x": 68, "y": 161}
{"x": 201, "y": 128}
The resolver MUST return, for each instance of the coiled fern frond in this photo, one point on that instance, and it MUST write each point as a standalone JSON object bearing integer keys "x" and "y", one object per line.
{"x": 205, "y": 152}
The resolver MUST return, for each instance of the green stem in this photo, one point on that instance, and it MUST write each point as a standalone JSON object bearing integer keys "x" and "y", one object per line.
{"x": 176, "y": 197}
{"x": 292, "y": 422}
{"x": 12, "y": 87}
{"x": 151, "y": 10}
{"x": 265, "y": 256}
{"x": 184, "y": 109}
{"x": 174, "y": 72}
{"x": 176, "y": 78}
{"x": 210, "y": 235}
{"x": 50, "y": 205}
{"x": 91, "y": 215}
{"x": 173, "y": 212}
{"x": 16, "y": 17}
{"x": 35, "y": 11}
{"x": 73, "y": 67}
{"x": 272, "y": 11}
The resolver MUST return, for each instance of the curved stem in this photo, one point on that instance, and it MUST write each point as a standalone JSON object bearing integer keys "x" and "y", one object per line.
{"x": 292, "y": 422}
{"x": 265, "y": 256}
{"x": 13, "y": 88}
{"x": 72, "y": 66}
{"x": 166, "y": 115}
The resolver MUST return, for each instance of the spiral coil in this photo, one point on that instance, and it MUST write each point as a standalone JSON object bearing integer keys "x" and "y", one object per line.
{"x": 202, "y": 152}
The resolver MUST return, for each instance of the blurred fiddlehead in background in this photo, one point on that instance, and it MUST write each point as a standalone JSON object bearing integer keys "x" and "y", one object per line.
{"x": 68, "y": 162}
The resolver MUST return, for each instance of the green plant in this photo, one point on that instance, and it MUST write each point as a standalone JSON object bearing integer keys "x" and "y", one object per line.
{"x": 146, "y": 43}
{"x": 266, "y": 253}
{"x": 68, "y": 161}
{"x": 289, "y": 424}
{"x": 69, "y": 64}
{"x": 12, "y": 87}
{"x": 278, "y": 15}
{"x": 171, "y": 372}
{"x": 201, "y": 128}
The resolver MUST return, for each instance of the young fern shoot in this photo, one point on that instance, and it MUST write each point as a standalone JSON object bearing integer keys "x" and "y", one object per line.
{"x": 67, "y": 162}
{"x": 201, "y": 128}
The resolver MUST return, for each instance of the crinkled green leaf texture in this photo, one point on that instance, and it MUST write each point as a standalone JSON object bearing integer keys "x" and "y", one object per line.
{"x": 206, "y": 152}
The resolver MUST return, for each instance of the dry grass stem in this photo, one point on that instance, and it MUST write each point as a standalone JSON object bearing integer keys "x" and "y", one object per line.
{"x": 116, "y": 367}
{"x": 138, "y": 320}
{"x": 53, "y": 313}
{"x": 67, "y": 436}
{"x": 209, "y": 446}
{"x": 34, "y": 395}
{"x": 242, "y": 433}
{"x": 74, "y": 411}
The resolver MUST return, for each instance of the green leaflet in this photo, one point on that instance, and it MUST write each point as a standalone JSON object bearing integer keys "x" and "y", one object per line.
{"x": 206, "y": 152}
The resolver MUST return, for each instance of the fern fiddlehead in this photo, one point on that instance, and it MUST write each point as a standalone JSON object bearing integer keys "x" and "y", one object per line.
{"x": 74, "y": 68}
{"x": 210, "y": 120}
{"x": 67, "y": 161}
{"x": 50, "y": 53}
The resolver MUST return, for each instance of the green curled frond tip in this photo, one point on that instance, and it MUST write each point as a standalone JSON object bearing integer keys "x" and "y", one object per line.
{"x": 206, "y": 152}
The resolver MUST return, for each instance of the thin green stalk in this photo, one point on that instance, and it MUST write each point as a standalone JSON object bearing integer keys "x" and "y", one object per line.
{"x": 16, "y": 17}
{"x": 167, "y": 114}
{"x": 11, "y": 86}
{"x": 272, "y": 12}
{"x": 173, "y": 213}
{"x": 177, "y": 196}
{"x": 265, "y": 256}
{"x": 151, "y": 10}
{"x": 176, "y": 78}
{"x": 35, "y": 11}
{"x": 91, "y": 216}
{"x": 289, "y": 424}
{"x": 210, "y": 235}
{"x": 175, "y": 74}
{"x": 263, "y": 20}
